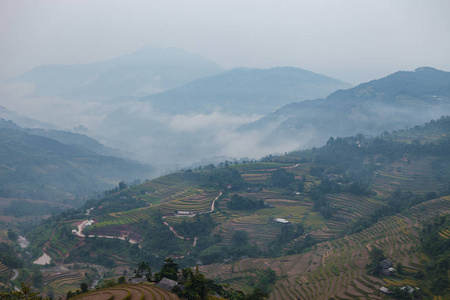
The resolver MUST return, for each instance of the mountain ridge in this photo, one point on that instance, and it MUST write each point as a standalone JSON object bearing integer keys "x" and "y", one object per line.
{"x": 40, "y": 167}
{"x": 142, "y": 72}
{"x": 246, "y": 91}
{"x": 396, "y": 101}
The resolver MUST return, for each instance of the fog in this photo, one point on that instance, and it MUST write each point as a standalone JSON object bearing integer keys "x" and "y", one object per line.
{"x": 352, "y": 41}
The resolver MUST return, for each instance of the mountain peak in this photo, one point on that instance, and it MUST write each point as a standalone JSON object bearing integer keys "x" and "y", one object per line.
{"x": 427, "y": 69}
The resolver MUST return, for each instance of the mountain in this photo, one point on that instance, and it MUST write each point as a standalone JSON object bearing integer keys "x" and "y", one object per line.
{"x": 81, "y": 141}
{"x": 149, "y": 70}
{"x": 246, "y": 91}
{"x": 305, "y": 224}
{"x": 24, "y": 121}
{"x": 38, "y": 167}
{"x": 400, "y": 100}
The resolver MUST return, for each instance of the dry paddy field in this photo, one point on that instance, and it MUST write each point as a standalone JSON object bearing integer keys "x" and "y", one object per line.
{"x": 5, "y": 272}
{"x": 63, "y": 281}
{"x": 415, "y": 176}
{"x": 129, "y": 292}
{"x": 258, "y": 224}
{"x": 337, "y": 268}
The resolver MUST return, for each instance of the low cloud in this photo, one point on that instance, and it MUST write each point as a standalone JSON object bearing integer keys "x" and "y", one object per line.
{"x": 214, "y": 121}
{"x": 165, "y": 141}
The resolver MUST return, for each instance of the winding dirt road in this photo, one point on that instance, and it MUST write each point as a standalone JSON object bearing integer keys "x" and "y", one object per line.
{"x": 205, "y": 212}
{"x": 79, "y": 233}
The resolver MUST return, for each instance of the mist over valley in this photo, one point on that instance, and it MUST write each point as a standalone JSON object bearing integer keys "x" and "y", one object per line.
{"x": 224, "y": 150}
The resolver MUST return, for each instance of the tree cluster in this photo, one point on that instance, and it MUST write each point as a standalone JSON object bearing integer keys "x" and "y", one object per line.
{"x": 238, "y": 202}
{"x": 201, "y": 226}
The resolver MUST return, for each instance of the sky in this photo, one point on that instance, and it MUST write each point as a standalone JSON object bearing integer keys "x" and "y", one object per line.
{"x": 351, "y": 40}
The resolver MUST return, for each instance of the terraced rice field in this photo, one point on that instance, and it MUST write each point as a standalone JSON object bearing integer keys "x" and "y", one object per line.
{"x": 63, "y": 281}
{"x": 126, "y": 217}
{"x": 129, "y": 292}
{"x": 424, "y": 136}
{"x": 353, "y": 206}
{"x": 258, "y": 224}
{"x": 258, "y": 173}
{"x": 195, "y": 199}
{"x": 59, "y": 247}
{"x": 261, "y": 166}
{"x": 5, "y": 272}
{"x": 337, "y": 268}
{"x": 171, "y": 200}
{"x": 165, "y": 188}
{"x": 4, "y": 203}
{"x": 445, "y": 234}
{"x": 258, "y": 228}
{"x": 415, "y": 176}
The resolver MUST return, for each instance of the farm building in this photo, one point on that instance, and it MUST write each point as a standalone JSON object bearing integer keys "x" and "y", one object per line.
{"x": 387, "y": 263}
{"x": 88, "y": 223}
{"x": 167, "y": 284}
{"x": 408, "y": 289}
{"x": 182, "y": 213}
{"x": 280, "y": 221}
{"x": 385, "y": 290}
{"x": 137, "y": 280}
{"x": 387, "y": 268}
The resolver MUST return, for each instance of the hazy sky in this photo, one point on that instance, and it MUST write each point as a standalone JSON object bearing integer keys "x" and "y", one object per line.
{"x": 352, "y": 40}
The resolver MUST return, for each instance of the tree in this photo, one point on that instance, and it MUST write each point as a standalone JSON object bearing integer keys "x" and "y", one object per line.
{"x": 168, "y": 270}
{"x": 240, "y": 238}
{"x": 143, "y": 270}
{"x": 25, "y": 293}
{"x": 281, "y": 178}
{"x": 257, "y": 294}
{"x": 122, "y": 185}
{"x": 122, "y": 280}
{"x": 37, "y": 279}
{"x": 12, "y": 235}
{"x": 196, "y": 288}
{"x": 84, "y": 287}
{"x": 399, "y": 268}
{"x": 376, "y": 255}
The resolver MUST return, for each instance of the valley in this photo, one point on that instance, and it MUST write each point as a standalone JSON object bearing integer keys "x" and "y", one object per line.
{"x": 238, "y": 150}
{"x": 299, "y": 225}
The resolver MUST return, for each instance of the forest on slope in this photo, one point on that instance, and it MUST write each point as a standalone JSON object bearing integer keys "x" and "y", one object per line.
{"x": 348, "y": 187}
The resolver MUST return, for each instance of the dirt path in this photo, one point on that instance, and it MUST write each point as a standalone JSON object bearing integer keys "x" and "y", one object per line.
{"x": 45, "y": 258}
{"x": 16, "y": 273}
{"x": 80, "y": 234}
{"x": 196, "y": 238}
{"x": 269, "y": 170}
{"x": 213, "y": 204}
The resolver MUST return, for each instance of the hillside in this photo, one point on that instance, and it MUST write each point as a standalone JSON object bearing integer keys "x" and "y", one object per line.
{"x": 37, "y": 167}
{"x": 136, "y": 292}
{"x": 147, "y": 71}
{"x": 289, "y": 225}
{"x": 246, "y": 91}
{"x": 7, "y": 114}
{"x": 80, "y": 141}
{"x": 400, "y": 100}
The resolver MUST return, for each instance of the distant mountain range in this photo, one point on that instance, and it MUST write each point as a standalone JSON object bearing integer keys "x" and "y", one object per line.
{"x": 400, "y": 100}
{"x": 246, "y": 91}
{"x": 38, "y": 167}
{"x": 171, "y": 108}
{"x": 24, "y": 121}
{"x": 147, "y": 71}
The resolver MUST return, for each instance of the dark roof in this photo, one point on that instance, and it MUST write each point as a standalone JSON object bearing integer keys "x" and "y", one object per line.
{"x": 167, "y": 284}
{"x": 137, "y": 280}
{"x": 387, "y": 263}
{"x": 386, "y": 272}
